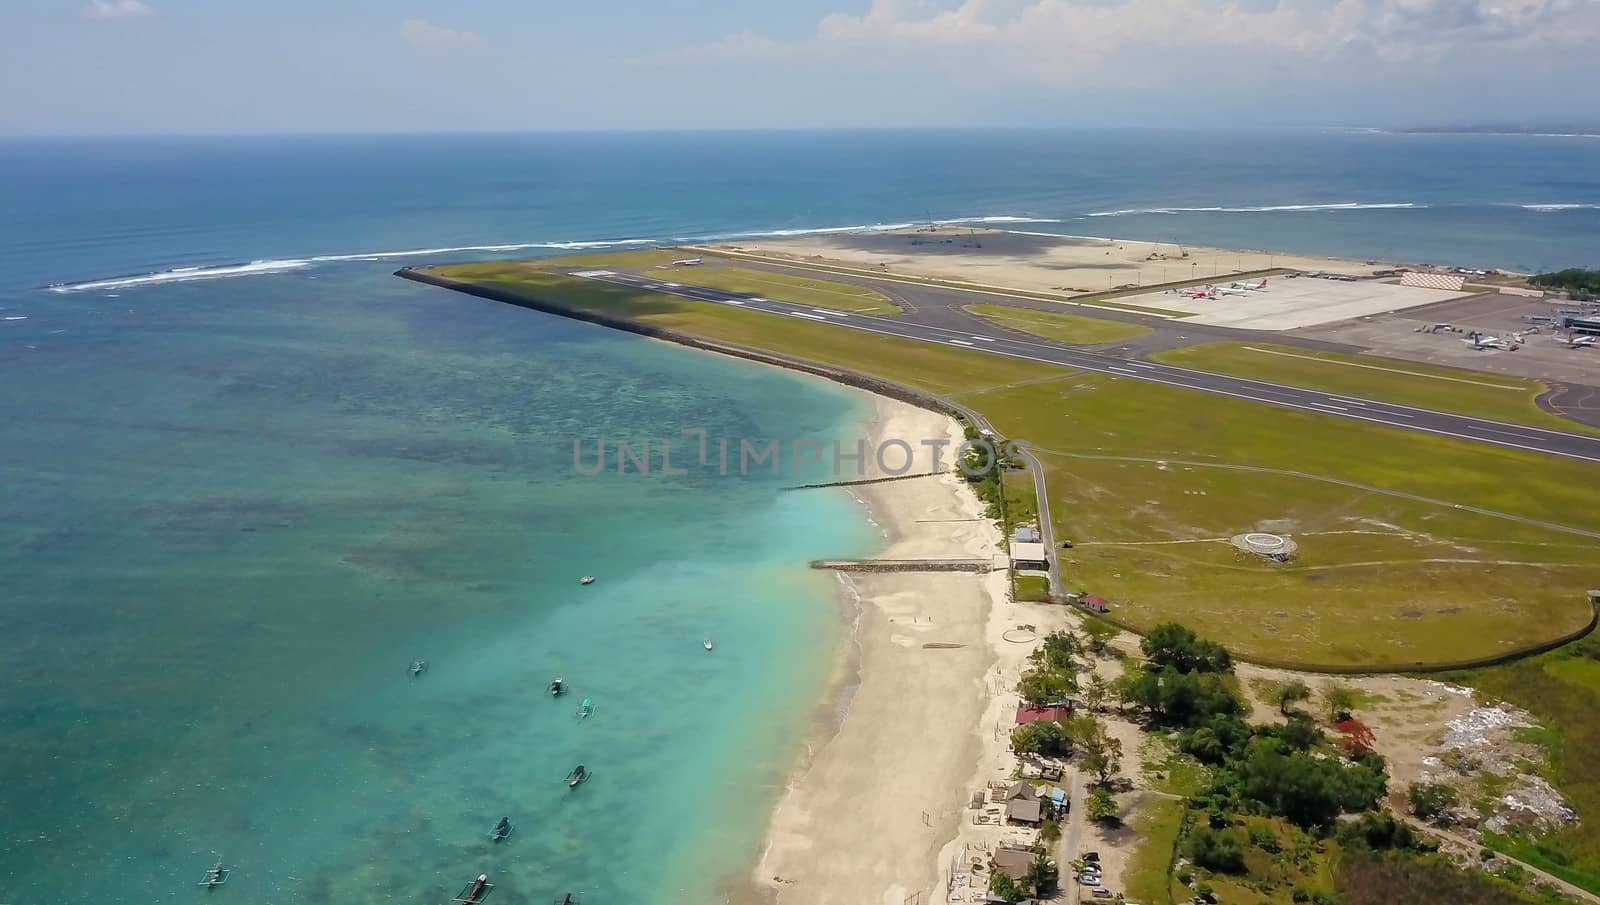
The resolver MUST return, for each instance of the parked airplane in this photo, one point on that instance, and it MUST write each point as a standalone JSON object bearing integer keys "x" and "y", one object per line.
{"x": 1481, "y": 342}
{"x": 1206, "y": 293}
{"x": 1235, "y": 289}
{"x": 688, "y": 262}
{"x": 1256, "y": 286}
{"x": 1575, "y": 341}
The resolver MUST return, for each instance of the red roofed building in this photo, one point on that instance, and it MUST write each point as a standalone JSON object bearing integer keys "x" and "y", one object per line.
{"x": 1026, "y": 714}
{"x": 1096, "y": 604}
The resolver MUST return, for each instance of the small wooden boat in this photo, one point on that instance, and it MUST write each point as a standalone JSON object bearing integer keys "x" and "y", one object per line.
{"x": 216, "y": 875}
{"x": 578, "y": 774}
{"x": 587, "y": 579}
{"x": 567, "y": 900}
{"x": 475, "y": 891}
{"x": 556, "y": 688}
{"x": 586, "y": 708}
{"x": 706, "y": 644}
{"x": 502, "y": 829}
{"x": 418, "y": 667}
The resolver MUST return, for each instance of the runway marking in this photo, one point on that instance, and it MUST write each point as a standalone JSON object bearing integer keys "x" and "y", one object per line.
{"x": 1121, "y": 370}
{"x": 732, "y": 302}
{"x": 591, "y": 274}
{"x": 1331, "y": 407}
{"x": 1166, "y": 375}
{"x": 960, "y": 342}
{"x": 814, "y": 317}
{"x": 983, "y": 338}
{"x": 1347, "y": 401}
{"x": 830, "y": 313}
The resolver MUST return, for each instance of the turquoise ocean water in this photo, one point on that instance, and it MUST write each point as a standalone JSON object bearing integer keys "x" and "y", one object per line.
{"x": 249, "y": 476}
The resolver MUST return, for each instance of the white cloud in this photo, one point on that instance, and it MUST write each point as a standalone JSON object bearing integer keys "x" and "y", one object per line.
{"x": 116, "y": 9}
{"x": 1052, "y": 40}
{"x": 422, "y": 33}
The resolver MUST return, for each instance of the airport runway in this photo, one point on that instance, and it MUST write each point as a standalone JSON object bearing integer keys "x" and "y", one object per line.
{"x": 1463, "y": 427}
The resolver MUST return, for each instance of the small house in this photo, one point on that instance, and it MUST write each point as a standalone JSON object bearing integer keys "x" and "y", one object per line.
{"x": 1029, "y": 557}
{"x": 1027, "y": 534}
{"x": 1026, "y": 714}
{"x": 1013, "y": 862}
{"x": 1024, "y": 810}
{"x": 1096, "y": 604}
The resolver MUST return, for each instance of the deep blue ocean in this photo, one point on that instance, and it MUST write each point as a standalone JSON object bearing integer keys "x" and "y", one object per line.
{"x": 249, "y": 476}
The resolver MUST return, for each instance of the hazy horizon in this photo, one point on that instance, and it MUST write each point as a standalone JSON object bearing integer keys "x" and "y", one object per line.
{"x": 166, "y": 67}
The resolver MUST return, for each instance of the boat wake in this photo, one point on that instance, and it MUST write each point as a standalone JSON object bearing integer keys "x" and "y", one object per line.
{"x": 1276, "y": 208}
{"x": 285, "y": 265}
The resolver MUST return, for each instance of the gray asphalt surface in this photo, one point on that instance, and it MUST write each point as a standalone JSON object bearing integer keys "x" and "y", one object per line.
{"x": 957, "y": 333}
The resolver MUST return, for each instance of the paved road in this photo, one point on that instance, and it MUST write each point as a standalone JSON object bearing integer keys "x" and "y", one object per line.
{"x": 1464, "y": 427}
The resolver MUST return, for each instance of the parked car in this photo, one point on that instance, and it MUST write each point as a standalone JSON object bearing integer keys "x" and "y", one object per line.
{"x": 1100, "y": 892}
{"x": 1091, "y": 856}
{"x": 1088, "y": 879}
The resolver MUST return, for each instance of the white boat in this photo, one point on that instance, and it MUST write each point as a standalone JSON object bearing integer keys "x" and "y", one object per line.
{"x": 707, "y": 645}
{"x": 587, "y": 579}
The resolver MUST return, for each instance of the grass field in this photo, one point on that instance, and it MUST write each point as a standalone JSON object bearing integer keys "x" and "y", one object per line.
{"x": 1562, "y": 690}
{"x": 1141, "y": 481}
{"x": 1427, "y": 386}
{"x": 782, "y": 286}
{"x": 939, "y": 369}
{"x": 1066, "y": 328}
{"x": 1149, "y": 481}
{"x": 1158, "y": 823}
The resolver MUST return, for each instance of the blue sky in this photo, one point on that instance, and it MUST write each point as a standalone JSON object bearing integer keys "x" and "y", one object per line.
{"x": 110, "y": 66}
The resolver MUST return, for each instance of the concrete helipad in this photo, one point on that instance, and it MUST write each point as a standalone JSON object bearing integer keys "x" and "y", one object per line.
{"x": 1299, "y": 302}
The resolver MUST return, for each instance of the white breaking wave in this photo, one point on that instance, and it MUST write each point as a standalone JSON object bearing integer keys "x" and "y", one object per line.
{"x": 254, "y": 268}
{"x": 1553, "y": 208}
{"x": 184, "y": 274}
{"x": 1001, "y": 219}
{"x": 1342, "y": 206}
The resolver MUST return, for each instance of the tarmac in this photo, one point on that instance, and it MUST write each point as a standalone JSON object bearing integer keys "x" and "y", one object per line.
{"x": 933, "y": 314}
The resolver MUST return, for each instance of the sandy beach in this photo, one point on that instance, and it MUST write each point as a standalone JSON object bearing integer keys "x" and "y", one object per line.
{"x": 866, "y": 815}
{"x": 1031, "y": 261}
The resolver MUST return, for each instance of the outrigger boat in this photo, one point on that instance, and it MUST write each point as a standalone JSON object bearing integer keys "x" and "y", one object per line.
{"x": 587, "y": 579}
{"x": 502, "y": 829}
{"x": 216, "y": 875}
{"x": 585, "y": 708}
{"x": 418, "y": 667}
{"x": 556, "y": 688}
{"x": 475, "y": 891}
{"x": 578, "y": 774}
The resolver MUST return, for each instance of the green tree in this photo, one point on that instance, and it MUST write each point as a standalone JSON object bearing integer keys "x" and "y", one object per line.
{"x": 1098, "y": 751}
{"x": 1042, "y": 686}
{"x": 1340, "y": 702}
{"x": 1045, "y": 737}
{"x": 1099, "y": 632}
{"x": 1096, "y": 692}
{"x": 1431, "y": 799}
{"x": 1050, "y": 831}
{"x": 1006, "y": 888}
{"x": 1058, "y": 651}
{"x": 1216, "y": 850}
{"x": 1291, "y": 693}
{"x": 1174, "y": 645}
{"x": 1042, "y": 877}
{"x": 1101, "y": 806}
